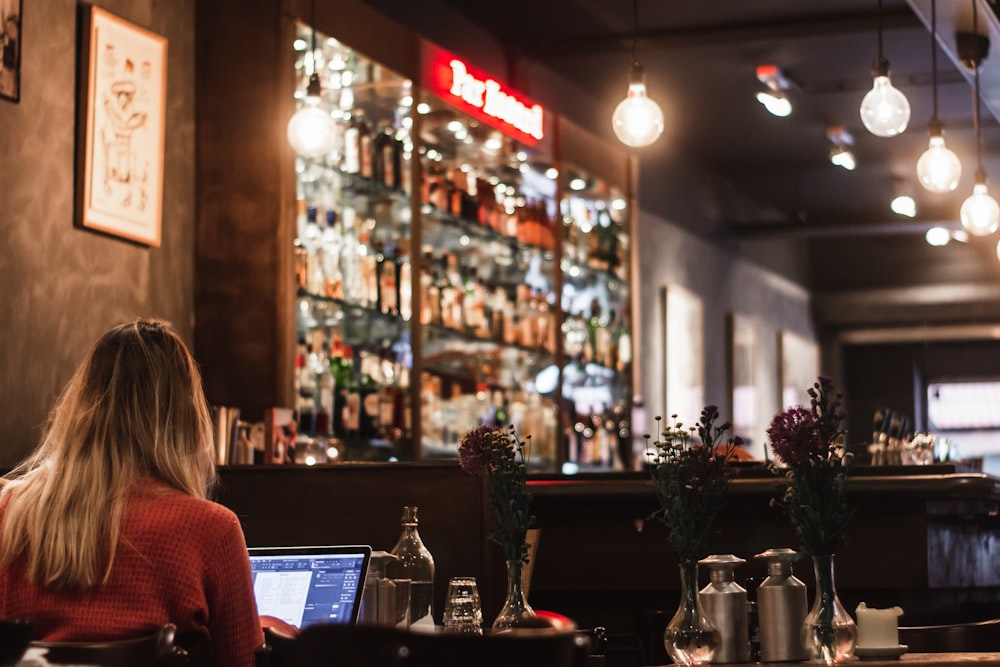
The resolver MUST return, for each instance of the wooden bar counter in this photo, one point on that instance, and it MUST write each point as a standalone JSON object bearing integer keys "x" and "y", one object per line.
{"x": 924, "y": 538}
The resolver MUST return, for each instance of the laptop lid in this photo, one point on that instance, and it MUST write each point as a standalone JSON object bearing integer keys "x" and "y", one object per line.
{"x": 310, "y": 584}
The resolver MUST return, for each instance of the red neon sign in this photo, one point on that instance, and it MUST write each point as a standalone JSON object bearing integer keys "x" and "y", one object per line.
{"x": 486, "y": 98}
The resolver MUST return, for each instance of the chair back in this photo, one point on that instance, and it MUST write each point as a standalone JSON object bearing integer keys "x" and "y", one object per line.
{"x": 14, "y": 639}
{"x": 153, "y": 650}
{"x": 380, "y": 646}
{"x": 982, "y": 636}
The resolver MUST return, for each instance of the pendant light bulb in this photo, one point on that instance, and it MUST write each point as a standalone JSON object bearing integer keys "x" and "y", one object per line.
{"x": 637, "y": 120}
{"x": 885, "y": 111}
{"x": 980, "y": 212}
{"x": 938, "y": 168}
{"x": 311, "y": 130}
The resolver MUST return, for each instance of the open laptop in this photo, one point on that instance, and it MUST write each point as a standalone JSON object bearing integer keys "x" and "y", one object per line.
{"x": 307, "y": 585}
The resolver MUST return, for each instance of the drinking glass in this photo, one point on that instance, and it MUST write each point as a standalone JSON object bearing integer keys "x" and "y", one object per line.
{"x": 463, "y": 613}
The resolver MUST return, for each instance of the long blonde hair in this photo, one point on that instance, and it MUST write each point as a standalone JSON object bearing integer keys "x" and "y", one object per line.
{"x": 134, "y": 408}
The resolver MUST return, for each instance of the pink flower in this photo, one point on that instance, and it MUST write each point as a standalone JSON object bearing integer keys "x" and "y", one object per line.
{"x": 796, "y": 436}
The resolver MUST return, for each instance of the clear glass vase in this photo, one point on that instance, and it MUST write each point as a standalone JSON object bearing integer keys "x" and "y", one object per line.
{"x": 515, "y": 607}
{"x": 690, "y": 638}
{"x": 828, "y": 633}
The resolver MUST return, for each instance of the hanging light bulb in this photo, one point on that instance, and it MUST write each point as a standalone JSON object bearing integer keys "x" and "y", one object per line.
{"x": 938, "y": 168}
{"x": 980, "y": 213}
{"x": 885, "y": 111}
{"x": 637, "y": 120}
{"x": 937, "y": 236}
{"x": 311, "y": 129}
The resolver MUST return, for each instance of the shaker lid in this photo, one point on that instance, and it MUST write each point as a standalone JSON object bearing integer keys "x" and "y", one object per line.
{"x": 722, "y": 561}
{"x": 779, "y": 561}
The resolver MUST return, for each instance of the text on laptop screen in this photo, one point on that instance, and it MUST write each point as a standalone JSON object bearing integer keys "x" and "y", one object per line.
{"x": 302, "y": 589}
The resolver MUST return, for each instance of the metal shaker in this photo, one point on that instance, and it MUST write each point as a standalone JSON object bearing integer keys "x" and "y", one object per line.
{"x": 725, "y": 604}
{"x": 781, "y": 608}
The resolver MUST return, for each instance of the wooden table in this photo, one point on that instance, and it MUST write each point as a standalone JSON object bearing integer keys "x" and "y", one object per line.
{"x": 935, "y": 659}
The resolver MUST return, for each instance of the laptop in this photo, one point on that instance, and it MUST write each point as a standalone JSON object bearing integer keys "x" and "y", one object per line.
{"x": 307, "y": 585}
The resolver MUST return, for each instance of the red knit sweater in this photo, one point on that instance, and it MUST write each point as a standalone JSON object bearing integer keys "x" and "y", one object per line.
{"x": 180, "y": 560}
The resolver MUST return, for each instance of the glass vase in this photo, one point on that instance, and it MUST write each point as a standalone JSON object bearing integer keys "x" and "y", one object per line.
{"x": 828, "y": 633}
{"x": 515, "y": 607}
{"x": 690, "y": 638}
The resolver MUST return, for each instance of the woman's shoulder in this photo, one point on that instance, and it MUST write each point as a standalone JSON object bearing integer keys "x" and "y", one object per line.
{"x": 159, "y": 500}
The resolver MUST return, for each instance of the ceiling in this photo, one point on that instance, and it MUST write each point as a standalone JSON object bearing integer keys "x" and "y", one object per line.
{"x": 700, "y": 60}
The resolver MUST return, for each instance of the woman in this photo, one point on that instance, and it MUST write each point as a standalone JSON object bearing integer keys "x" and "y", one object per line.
{"x": 105, "y": 530}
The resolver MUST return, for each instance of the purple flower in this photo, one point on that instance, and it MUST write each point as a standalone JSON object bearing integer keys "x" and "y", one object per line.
{"x": 476, "y": 451}
{"x": 796, "y": 436}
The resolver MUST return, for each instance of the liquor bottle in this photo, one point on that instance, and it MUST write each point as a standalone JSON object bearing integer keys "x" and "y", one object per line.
{"x": 331, "y": 242}
{"x": 325, "y": 385}
{"x": 366, "y": 137}
{"x": 414, "y": 562}
{"x": 351, "y": 399}
{"x": 404, "y": 285}
{"x": 352, "y": 146}
{"x": 342, "y": 371}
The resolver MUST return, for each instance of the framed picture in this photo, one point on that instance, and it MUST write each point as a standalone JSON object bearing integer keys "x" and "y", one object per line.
{"x": 744, "y": 395}
{"x": 10, "y": 49}
{"x": 123, "y": 77}
{"x": 684, "y": 354}
{"x": 799, "y": 358}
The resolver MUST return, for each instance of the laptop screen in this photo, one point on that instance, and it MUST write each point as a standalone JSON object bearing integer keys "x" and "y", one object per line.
{"x": 307, "y": 585}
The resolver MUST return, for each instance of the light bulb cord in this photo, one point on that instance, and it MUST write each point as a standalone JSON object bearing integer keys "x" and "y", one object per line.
{"x": 934, "y": 95}
{"x": 635, "y": 31}
{"x": 980, "y": 172}
{"x": 881, "y": 66}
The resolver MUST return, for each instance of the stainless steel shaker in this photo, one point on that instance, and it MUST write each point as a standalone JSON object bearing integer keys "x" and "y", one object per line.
{"x": 725, "y": 604}
{"x": 781, "y": 608}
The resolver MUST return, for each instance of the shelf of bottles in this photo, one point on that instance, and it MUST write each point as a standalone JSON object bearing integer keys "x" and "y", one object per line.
{"x": 597, "y": 375}
{"x": 425, "y": 262}
{"x": 488, "y": 245}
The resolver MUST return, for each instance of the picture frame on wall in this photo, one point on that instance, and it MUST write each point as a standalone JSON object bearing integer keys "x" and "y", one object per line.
{"x": 10, "y": 49}
{"x": 744, "y": 393}
{"x": 684, "y": 375}
{"x": 799, "y": 359}
{"x": 122, "y": 117}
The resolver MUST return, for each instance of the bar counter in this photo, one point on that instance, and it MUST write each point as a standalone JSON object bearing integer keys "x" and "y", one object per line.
{"x": 924, "y": 538}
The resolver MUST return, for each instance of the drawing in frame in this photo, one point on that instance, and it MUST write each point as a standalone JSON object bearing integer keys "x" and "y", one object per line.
{"x": 10, "y": 49}
{"x": 684, "y": 375}
{"x": 799, "y": 359}
{"x": 744, "y": 395}
{"x": 122, "y": 113}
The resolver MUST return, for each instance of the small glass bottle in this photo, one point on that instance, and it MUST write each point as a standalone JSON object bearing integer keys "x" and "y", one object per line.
{"x": 416, "y": 564}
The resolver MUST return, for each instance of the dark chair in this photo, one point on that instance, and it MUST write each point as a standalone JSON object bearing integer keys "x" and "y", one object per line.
{"x": 14, "y": 639}
{"x": 982, "y": 636}
{"x": 374, "y": 646}
{"x": 153, "y": 650}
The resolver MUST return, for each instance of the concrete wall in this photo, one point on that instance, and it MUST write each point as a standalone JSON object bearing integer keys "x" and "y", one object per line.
{"x": 62, "y": 286}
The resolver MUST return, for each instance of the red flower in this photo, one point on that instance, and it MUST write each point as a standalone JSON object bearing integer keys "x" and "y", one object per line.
{"x": 796, "y": 436}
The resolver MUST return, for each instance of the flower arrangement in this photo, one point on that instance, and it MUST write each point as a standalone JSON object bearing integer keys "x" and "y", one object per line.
{"x": 497, "y": 453}
{"x": 809, "y": 445}
{"x": 691, "y": 477}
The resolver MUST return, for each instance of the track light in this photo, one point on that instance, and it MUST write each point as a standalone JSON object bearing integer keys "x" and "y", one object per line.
{"x": 840, "y": 153}
{"x": 774, "y": 97}
{"x": 902, "y": 201}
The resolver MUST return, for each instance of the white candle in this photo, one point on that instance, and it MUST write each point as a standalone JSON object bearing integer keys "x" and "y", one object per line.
{"x": 878, "y": 628}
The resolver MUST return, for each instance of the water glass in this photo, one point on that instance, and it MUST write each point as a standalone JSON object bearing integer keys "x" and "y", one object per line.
{"x": 463, "y": 613}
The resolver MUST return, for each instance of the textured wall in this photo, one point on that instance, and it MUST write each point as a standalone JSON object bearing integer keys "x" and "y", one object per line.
{"x": 61, "y": 286}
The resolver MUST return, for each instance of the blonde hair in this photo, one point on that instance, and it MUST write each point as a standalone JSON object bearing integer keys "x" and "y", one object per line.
{"x": 134, "y": 408}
